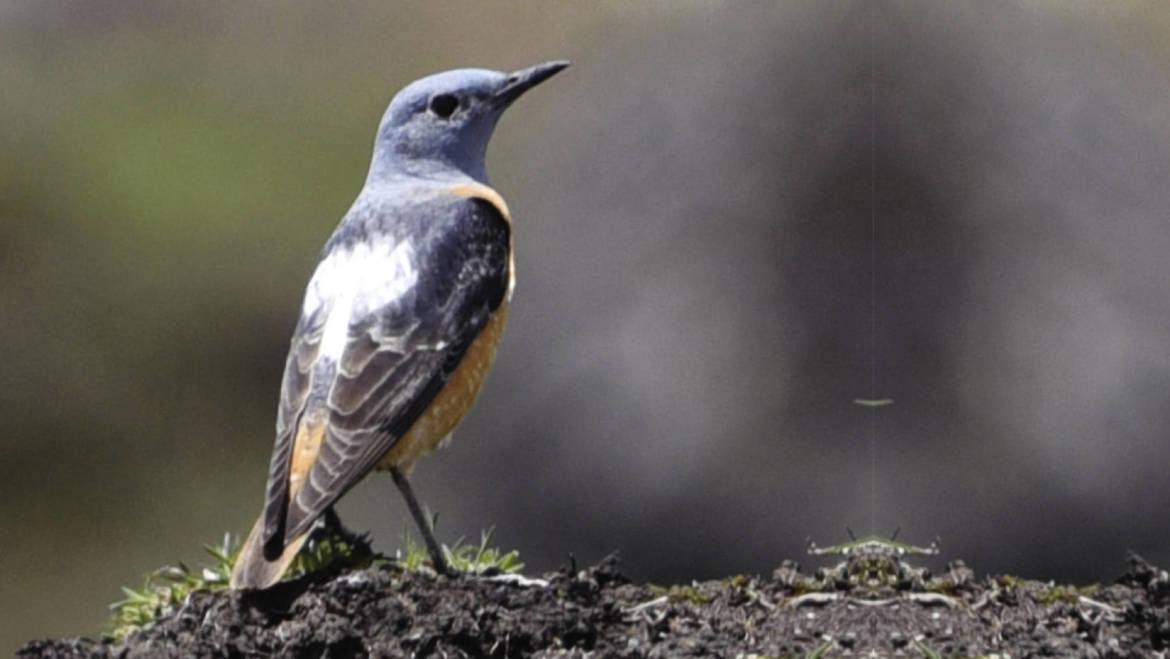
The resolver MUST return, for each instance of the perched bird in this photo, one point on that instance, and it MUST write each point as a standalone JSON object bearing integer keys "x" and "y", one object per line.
{"x": 401, "y": 318}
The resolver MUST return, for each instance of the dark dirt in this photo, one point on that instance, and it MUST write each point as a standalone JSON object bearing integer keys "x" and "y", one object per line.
{"x": 874, "y": 603}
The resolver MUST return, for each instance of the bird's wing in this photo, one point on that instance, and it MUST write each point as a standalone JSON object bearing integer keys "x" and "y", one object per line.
{"x": 294, "y": 394}
{"x": 409, "y": 325}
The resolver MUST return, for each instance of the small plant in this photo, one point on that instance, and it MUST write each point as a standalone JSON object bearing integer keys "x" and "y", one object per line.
{"x": 331, "y": 550}
{"x": 167, "y": 588}
{"x": 482, "y": 558}
{"x": 927, "y": 653}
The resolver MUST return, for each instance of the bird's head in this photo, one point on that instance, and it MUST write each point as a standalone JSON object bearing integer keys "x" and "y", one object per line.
{"x": 444, "y": 121}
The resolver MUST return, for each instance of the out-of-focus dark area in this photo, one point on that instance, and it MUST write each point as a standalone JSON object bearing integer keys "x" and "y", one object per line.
{"x": 702, "y": 203}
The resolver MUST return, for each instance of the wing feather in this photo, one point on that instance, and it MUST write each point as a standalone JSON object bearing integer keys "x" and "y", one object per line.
{"x": 294, "y": 392}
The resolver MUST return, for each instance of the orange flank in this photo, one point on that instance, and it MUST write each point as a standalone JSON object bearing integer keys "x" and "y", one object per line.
{"x": 453, "y": 401}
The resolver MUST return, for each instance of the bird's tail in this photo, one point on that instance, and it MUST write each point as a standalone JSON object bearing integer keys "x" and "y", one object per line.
{"x": 252, "y": 570}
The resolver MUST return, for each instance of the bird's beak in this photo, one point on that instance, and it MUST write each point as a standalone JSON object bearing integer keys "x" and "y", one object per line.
{"x": 521, "y": 81}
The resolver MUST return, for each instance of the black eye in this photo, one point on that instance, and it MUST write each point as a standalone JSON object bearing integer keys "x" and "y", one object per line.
{"x": 444, "y": 105}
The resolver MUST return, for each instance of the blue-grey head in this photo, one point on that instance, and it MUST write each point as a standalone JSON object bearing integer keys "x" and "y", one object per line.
{"x": 443, "y": 122}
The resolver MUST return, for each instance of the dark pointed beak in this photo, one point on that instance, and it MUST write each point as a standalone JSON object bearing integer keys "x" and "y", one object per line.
{"x": 521, "y": 81}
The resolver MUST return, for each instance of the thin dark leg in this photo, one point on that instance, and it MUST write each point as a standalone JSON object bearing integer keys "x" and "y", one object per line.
{"x": 420, "y": 520}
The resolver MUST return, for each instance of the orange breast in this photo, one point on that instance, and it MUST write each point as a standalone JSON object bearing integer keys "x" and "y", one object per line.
{"x": 454, "y": 400}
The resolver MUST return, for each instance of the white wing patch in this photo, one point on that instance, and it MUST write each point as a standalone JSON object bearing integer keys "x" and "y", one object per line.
{"x": 355, "y": 281}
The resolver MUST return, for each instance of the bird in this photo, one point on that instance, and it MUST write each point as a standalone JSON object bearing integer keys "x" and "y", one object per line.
{"x": 401, "y": 318}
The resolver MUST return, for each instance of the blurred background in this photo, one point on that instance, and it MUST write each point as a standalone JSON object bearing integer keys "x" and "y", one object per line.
{"x": 732, "y": 219}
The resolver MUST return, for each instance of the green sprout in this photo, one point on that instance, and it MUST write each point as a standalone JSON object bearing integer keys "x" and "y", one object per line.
{"x": 819, "y": 651}
{"x": 927, "y": 653}
{"x": 481, "y": 559}
{"x": 333, "y": 552}
{"x": 167, "y": 588}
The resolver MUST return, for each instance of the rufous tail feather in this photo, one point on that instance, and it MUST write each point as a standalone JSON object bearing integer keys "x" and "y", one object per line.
{"x": 252, "y": 570}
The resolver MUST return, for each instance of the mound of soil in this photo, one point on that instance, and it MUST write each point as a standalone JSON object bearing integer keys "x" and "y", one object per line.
{"x": 872, "y": 604}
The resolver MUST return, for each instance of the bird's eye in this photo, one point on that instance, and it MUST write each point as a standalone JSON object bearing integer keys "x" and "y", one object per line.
{"x": 444, "y": 105}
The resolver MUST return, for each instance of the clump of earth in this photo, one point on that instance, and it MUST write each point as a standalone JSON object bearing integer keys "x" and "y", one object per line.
{"x": 874, "y": 601}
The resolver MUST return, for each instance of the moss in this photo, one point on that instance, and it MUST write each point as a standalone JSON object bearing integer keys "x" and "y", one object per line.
{"x": 1056, "y": 594}
{"x": 941, "y": 587}
{"x": 737, "y": 581}
{"x": 689, "y": 594}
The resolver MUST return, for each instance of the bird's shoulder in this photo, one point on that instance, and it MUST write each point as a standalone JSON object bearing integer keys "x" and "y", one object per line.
{"x": 392, "y": 239}
{"x": 415, "y": 212}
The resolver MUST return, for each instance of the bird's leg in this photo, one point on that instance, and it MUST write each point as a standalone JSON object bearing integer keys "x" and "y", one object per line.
{"x": 420, "y": 520}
